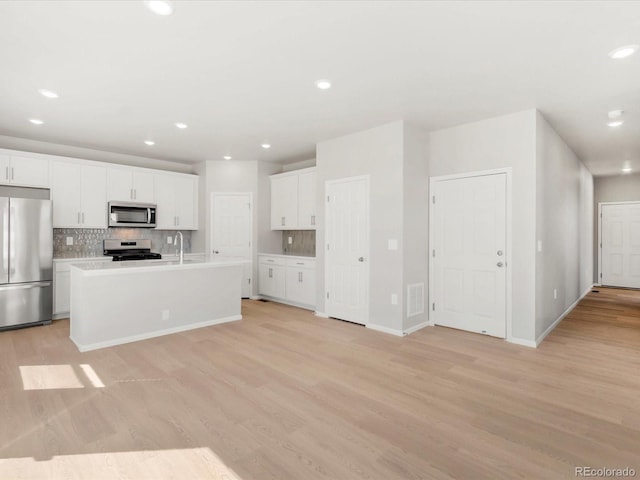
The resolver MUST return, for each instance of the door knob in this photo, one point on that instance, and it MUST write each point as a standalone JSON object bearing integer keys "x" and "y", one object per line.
{"x": 499, "y": 253}
{"x": 216, "y": 251}
{"x": 361, "y": 259}
{"x": 499, "y": 264}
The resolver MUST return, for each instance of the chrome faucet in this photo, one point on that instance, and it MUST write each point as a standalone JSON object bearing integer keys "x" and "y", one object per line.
{"x": 175, "y": 242}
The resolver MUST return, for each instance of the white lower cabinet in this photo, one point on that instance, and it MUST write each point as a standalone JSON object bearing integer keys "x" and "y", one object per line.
{"x": 272, "y": 278}
{"x": 288, "y": 279}
{"x": 62, "y": 283}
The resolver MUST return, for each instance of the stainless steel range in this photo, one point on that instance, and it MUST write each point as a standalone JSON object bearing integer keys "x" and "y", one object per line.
{"x": 124, "y": 250}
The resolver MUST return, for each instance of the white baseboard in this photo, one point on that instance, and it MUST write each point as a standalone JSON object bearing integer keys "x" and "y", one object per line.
{"x": 550, "y": 328}
{"x": 157, "y": 333}
{"x": 321, "y": 314}
{"x": 60, "y": 316}
{"x": 420, "y": 326}
{"x": 255, "y": 297}
{"x": 286, "y": 302}
{"x": 379, "y": 328}
{"x": 522, "y": 341}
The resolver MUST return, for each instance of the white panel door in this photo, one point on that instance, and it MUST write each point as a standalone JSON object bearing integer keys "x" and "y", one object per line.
{"x": 469, "y": 254}
{"x": 66, "y": 185}
{"x": 231, "y": 226}
{"x": 143, "y": 187}
{"x": 307, "y": 201}
{"x": 186, "y": 195}
{"x": 347, "y": 254}
{"x": 284, "y": 202}
{"x": 119, "y": 185}
{"x": 620, "y": 238}
{"x": 28, "y": 171}
{"x": 94, "y": 197}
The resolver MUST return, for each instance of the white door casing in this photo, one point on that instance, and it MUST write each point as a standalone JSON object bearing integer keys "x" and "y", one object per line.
{"x": 619, "y": 252}
{"x": 232, "y": 230}
{"x": 347, "y": 249}
{"x": 469, "y": 253}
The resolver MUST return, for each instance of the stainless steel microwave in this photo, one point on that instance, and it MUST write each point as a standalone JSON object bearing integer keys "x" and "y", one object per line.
{"x": 129, "y": 214}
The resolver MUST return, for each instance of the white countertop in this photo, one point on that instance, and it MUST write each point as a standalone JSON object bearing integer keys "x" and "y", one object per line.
{"x": 280, "y": 255}
{"x": 140, "y": 266}
{"x": 103, "y": 258}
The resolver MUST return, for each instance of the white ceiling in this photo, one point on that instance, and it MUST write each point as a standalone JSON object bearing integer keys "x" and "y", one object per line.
{"x": 242, "y": 73}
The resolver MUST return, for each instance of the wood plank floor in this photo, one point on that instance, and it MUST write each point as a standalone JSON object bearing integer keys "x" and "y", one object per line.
{"x": 284, "y": 395}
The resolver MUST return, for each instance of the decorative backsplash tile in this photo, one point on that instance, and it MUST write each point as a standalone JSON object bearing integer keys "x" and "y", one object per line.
{"x": 87, "y": 242}
{"x": 303, "y": 242}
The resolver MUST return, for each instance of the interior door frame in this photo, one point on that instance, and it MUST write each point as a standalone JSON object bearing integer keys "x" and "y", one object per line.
{"x": 367, "y": 254}
{"x": 508, "y": 218}
{"x": 600, "y": 205}
{"x": 210, "y": 227}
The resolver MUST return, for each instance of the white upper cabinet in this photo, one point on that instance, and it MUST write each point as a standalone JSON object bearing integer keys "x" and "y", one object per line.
{"x": 23, "y": 170}
{"x": 307, "y": 201}
{"x": 79, "y": 194}
{"x": 293, "y": 200}
{"x": 130, "y": 185}
{"x": 284, "y": 202}
{"x": 177, "y": 201}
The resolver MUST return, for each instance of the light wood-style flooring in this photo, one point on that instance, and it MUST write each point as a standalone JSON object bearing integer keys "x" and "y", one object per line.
{"x": 283, "y": 395}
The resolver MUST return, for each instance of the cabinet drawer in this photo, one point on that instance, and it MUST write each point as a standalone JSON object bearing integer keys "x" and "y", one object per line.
{"x": 301, "y": 263}
{"x": 264, "y": 259}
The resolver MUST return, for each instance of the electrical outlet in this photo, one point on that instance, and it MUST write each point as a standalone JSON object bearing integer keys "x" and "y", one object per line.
{"x": 289, "y": 240}
{"x": 166, "y": 314}
{"x": 539, "y": 245}
{"x": 555, "y": 293}
{"x": 170, "y": 240}
{"x": 69, "y": 240}
{"x": 394, "y": 299}
{"x": 392, "y": 244}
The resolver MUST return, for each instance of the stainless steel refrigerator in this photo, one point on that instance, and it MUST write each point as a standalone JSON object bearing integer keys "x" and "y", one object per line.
{"x": 26, "y": 259}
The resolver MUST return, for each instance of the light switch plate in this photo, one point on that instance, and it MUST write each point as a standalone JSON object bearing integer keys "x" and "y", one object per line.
{"x": 394, "y": 299}
{"x": 289, "y": 240}
{"x": 69, "y": 240}
{"x": 393, "y": 244}
{"x": 539, "y": 245}
{"x": 170, "y": 240}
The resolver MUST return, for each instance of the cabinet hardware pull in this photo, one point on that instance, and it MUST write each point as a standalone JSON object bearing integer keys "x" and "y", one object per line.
{"x": 271, "y": 273}
{"x": 300, "y": 277}
{"x": 313, "y": 219}
{"x": 282, "y": 222}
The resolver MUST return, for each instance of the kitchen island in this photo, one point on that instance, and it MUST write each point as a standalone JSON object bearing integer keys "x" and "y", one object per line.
{"x": 120, "y": 302}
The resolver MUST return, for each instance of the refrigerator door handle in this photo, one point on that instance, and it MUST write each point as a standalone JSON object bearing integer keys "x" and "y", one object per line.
{"x": 12, "y": 242}
{"x": 25, "y": 286}
{"x": 4, "y": 230}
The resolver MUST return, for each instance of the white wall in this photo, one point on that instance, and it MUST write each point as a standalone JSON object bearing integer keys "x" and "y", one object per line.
{"x": 378, "y": 153}
{"x": 506, "y": 141}
{"x": 416, "y": 219}
{"x": 36, "y": 146}
{"x": 619, "y": 188}
{"x": 564, "y": 212}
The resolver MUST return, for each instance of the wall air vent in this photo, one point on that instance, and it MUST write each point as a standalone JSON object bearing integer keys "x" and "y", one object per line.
{"x": 415, "y": 299}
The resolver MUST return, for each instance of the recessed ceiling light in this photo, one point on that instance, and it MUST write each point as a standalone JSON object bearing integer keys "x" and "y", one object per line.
{"x": 149, "y": 142}
{"x": 265, "y": 146}
{"x": 181, "y": 125}
{"x": 160, "y": 7}
{"x": 615, "y": 123}
{"x": 227, "y": 157}
{"x": 36, "y": 121}
{"x": 323, "y": 84}
{"x": 626, "y": 170}
{"x": 623, "y": 52}
{"x": 48, "y": 93}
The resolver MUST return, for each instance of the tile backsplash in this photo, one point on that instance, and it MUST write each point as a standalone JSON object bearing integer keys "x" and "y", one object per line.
{"x": 303, "y": 242}
{"x": 87, "y": 242}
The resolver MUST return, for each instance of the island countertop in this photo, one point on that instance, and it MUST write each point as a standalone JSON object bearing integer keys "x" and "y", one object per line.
{"x": 138, "y": 266}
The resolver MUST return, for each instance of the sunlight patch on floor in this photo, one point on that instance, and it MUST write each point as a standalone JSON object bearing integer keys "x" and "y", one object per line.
{"x": 49, "y": 377}
{"x": 191, "y": 463}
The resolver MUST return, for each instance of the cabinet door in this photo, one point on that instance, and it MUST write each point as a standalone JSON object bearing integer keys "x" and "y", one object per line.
{"x": 166, "y": 212}
{"x": 94, "y": 197}
{"x": 62, "y": 292}
{"x": 143, "y": 187}
{"x": 5, "y": 174}
{"x": 119, "y": 185}
{"x": 66, "y": 181}
{"x": 307, "y": 201}
{"x": 266, "y": 280}
{"x": 30, "y": 172}
{"x": 186, "y": 195}
{"x": 284, "y": 202}
{"x": 301, "y": 285}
